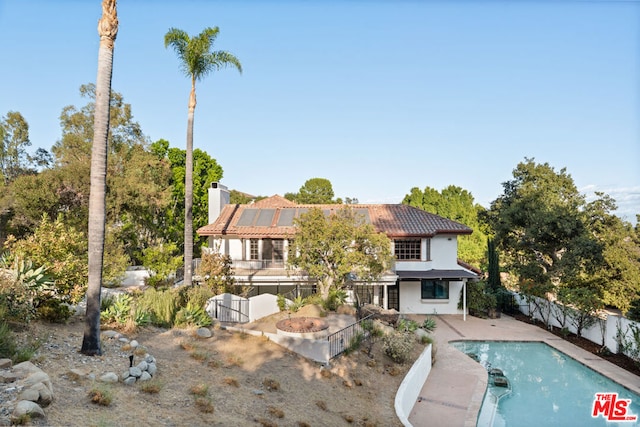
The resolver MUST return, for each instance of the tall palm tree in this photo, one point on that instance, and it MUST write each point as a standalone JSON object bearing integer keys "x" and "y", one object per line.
{"x": 108, "y": 30}
{"x": 196, "y": 60}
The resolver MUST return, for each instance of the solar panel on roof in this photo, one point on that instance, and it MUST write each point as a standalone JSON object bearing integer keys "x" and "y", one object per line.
{"x": 247, "y": 217}
{"x": 302, "y": 211}
{"x": 265, "y": 217}
{"x": 363, "y": 213}
{"x": 286, "y": 217}
{"x": 326, "y": 212}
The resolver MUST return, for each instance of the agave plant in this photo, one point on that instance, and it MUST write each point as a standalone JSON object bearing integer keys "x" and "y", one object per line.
{"x": 23, "y": 272}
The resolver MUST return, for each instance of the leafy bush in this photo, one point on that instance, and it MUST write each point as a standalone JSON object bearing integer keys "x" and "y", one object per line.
{"x": 282, "y": 302}
{"x": 354, "y": 343}
{"x": 8, "y": 344}
{"x": 62, "y": 250}
{"x": 336, "y": 298}
{"x": 297, "y": 303}
{"x": 192, "y": 315}
{"x": 398, "y": 346}
{"x": 55, "y": 311}
{"x": 429, "y": 324}
{"x": 162, "y": 261}
{"x": 161, "y": 306}
{"x": 480, "y": 299}
{"x": 406, "y": 325}
{"x": 119, "y": 311}
{"x": 217, "y": 272}
{"x": 198, "y": 295}
{"x": 23, "y": 287}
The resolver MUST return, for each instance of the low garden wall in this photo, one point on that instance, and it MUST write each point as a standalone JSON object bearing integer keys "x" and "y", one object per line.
{"x": 411, "y": 386}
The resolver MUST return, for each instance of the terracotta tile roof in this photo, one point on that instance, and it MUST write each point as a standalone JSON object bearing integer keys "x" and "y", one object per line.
{"x": 275, "y": 201}
{"x": 272, "y": 218}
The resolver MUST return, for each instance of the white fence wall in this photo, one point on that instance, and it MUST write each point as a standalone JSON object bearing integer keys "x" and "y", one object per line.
{"x": 613, "y": 325}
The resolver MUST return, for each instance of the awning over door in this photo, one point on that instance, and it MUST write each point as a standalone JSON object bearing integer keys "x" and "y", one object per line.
{"x": 456, "y": 275}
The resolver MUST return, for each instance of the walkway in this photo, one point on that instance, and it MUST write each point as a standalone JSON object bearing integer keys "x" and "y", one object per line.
{"x": 453, "y": 392}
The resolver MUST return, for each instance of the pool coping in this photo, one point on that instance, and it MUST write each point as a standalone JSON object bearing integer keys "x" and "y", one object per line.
{"x": 453, "y": 393}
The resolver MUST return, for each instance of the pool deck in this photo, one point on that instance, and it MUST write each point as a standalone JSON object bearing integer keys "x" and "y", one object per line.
{"x": 453, "y": 393}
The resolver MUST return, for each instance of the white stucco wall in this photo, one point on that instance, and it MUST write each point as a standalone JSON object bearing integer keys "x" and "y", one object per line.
{"x": 262, "y": 305}
{"x": 444, "y": 252}
{"x": 411, "y": 303}
{"x": 411, "y": 386}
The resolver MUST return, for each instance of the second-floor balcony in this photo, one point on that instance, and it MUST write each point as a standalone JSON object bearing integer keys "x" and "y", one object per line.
{"x": 257, "y": 264}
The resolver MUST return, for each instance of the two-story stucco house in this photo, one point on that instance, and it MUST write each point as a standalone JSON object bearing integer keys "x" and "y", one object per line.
{"x": 426, "y": 278}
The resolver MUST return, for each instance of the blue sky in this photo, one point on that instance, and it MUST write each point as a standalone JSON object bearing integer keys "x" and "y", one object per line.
{"x": 376, "y": 96}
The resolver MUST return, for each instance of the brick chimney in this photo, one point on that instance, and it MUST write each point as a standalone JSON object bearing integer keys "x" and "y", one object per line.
{"x": 219, "y": 196}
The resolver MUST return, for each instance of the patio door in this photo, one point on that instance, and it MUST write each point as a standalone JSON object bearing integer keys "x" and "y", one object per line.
{"x": 393, "y": 293}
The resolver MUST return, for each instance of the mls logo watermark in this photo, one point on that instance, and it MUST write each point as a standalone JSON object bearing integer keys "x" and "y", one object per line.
{"x": 611, "y": 408}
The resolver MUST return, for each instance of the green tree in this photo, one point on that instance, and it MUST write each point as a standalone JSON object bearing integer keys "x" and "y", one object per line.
{"x": 205, "y": 171}
{"x": 14, "y": 140}
{"x": 138, "y": 199}
{"x": 493, "y": 279}
{"x": 585, "y": 304}
{"x": 331, "y": 249}
{"x": 315, "y": 191}
{"x": 216, "y": 272}
{"x": 540, "y": 224}
{"x": 77, "y": 126}
{"x": 107, "y": 29}
{"x": 196, "y": 60}
{"x": 617, "y": 266}
{"x": 458, "y": 205}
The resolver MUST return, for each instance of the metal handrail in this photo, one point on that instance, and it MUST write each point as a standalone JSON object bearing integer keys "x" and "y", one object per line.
{"x": 339, "y": 341}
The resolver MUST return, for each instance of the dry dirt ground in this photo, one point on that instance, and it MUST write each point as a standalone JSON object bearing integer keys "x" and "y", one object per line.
{"x": 245, "y": 381}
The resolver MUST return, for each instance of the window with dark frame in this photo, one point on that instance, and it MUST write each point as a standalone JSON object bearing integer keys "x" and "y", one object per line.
{"x": 408, "y": 249}
{"x": 434, "y": 289}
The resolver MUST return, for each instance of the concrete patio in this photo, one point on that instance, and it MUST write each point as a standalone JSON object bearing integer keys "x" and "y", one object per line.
{"x": 453, "y": 393}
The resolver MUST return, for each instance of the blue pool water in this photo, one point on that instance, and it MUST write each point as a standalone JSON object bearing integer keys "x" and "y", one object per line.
{"x": 546, "y": 387}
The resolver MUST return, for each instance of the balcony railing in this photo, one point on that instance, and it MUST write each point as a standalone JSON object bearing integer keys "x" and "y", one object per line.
{"x": 257, "y": 264}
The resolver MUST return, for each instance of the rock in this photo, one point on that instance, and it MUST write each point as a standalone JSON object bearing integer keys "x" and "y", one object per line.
{"x": 421, "y": 333}
{"x": 130, "y": 380}
{"x": 38, "y": 377}
{"x": 258, "y": 392}
{"x": 5, "y": 363}
{"x": 143, "y": 366}
{"x": 149, "y": 358}
{"x": 203, "y": 333}
{"x": 109, "y": 377}
{"x": 145, "y": 376}
{"x": 77, "y": 374}
{"x": 152, "y": 369}
{"x": 29, "y": 394}
{"x": 388, "y": 316}
{"x": 346, "y": 309}
{"x": 46, "y": 395}
{"x": 134, "y": 343}
{"x": 124, "y": 340}
{"x": 135, "y": 372}
{"x": 9, "y": 377}
{"x": 26, "y": 407}
{"x": 111, "y": 334}
{"x": 26, "y": 367}
{"x": 125, "y": 375}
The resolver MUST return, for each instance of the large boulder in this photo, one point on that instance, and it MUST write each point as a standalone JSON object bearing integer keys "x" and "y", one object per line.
{"x": 389, "y": 317}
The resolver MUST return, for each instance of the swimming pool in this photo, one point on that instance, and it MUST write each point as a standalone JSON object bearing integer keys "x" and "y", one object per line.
{"x": 544, "y": 387}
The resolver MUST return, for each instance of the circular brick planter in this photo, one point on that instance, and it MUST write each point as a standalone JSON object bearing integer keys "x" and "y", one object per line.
{"x": 303, "y": 327}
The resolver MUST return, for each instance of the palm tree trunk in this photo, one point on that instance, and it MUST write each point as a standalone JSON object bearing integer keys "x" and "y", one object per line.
{"x": 107, "y": 29}
{"x": 188, "y": 191}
